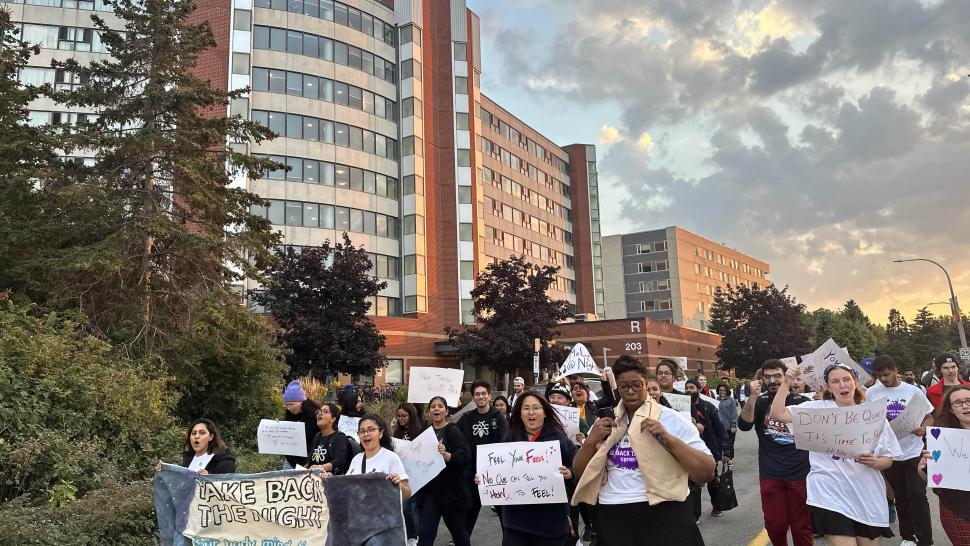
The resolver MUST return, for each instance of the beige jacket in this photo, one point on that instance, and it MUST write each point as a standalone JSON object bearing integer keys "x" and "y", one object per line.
{"x": 665, "y": 478}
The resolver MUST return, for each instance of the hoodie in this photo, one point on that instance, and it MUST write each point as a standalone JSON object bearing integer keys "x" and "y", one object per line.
{"x": 333, "y": 448}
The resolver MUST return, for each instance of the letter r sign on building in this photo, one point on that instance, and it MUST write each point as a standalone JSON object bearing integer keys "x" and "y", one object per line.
{"x": 634, "y": 326}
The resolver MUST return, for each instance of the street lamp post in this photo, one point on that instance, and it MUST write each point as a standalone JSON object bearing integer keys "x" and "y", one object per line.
{"x": 954, "y": 306}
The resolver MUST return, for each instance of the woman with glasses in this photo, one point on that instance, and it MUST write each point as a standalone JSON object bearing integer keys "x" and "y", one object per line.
{"x": 330, "y": 449}
{"x": 954, "y": 412}
{"x": 635, "y": 467}
{"x": 302, "y": 410}
{"x": 378, "y": 454}
{"x": 445, "y": 497}
{"x": 846, "y": 497}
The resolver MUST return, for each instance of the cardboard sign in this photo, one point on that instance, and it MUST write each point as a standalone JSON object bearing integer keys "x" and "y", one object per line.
{"x": 912, "y": 417}
{"x": 426, "y": 383}
{"x": 281, "y": 438}
{"x": 829, "y": 353}
{"x": 789, "y": 361}
{"x": 400, "y": 445}
{"x": 950, "y": 466}
{"x": 455, "y": 417}
{"x": 579, "y": 362}
{"x": 421, "y": 459}
{"x": 520, "y": 473}
{"x": 845, "y": 432}
{"x": 679, "y": 402}
{"x": 348, "y": 425}
{"x": 713, "y": 401}
{"x": 680, "y": 385}
{"x": 681, "y": 361}
{"x": 569, "y": 417}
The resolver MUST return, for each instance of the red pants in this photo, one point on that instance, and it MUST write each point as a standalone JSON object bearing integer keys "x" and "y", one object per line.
{"x": 783, "y": 503}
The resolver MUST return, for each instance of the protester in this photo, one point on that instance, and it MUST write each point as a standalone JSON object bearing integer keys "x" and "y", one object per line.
{"x": 351, "y": 404}
{"x": 534, "y": 420}
{"x": 667, "y": 370}
{"x": 445, "y": 497}
{"x": 330, "y": 449}
{"x": 654, "y": 392}
{"x": 799, "y": 387}
{"x": 647, "y": 454}
{"x": 518, "y": 387}
{"x": 587, "y": 411}
{"x": 302, "y": 410}
{"x": 481, "y": 426}
{"x": 204, "y": 452}
{"x": 954, "y": 412}
{"x": 909, "y": 376}
{"x": 743, "y": 391}
{"x": 378, "y": 453}
{"x": 912, "y": 507}
{"x": 501, "y": 403}
{"x": 847, "y": 498}
{"x": 948, "y": 367}
{"x": 702, "y": 383}
{"x": 715, "y": 437}
{"x": 408, "y": 423}
{"x": 782, "y": 468}
{"x": 579, "y": 379}
{"x": 559, "y": 395}
{"x": 727, "y": 412}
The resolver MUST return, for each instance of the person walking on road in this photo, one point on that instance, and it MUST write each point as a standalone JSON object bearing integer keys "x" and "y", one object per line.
{"x": 949, "y": 369}
{"x": 727, "y": 412}
{"x": 481, "y": 426}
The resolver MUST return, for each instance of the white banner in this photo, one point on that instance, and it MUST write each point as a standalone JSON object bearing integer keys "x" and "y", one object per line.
{"x": 421, "y": 459}
{"x": 281, "y": 438}
{"x": 520, "y": 473}
{"x": 950, "y": 466}
{"x": 426, "y": 383}
{"x": 911, "y": 417}
{"x": 713, "y": 401}
{"x": 845, "y": 432}
{"x": 348, "y": 425}
{"x": 579, "y": 362}
{"x": 569, "y": 417}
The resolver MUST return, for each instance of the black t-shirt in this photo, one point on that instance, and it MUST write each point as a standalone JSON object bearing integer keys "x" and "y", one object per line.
{"x": 778, "y": 458}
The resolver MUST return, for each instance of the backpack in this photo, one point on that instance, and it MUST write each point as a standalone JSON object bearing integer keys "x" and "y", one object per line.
{"x": 353, "y": 446}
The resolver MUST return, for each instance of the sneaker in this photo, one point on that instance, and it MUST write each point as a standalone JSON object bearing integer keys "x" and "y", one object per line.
{"x": 907, "y": 543}
{"x": 716, "y": 513}
{"x": 412, "y": 542}
{"x": 892, "y": 512}
{"x": 587, "y": 534}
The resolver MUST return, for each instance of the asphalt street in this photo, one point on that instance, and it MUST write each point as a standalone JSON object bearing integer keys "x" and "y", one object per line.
{"x": 739, "y": 527}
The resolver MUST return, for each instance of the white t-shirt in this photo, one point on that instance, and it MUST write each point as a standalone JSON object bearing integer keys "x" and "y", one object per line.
{"x": 897, "y": 398}
{"x": 385, "y": 461}
{"x": 199, "y": 462}
{"x": 847, "y": 487}
{"x": 624, "y": 482}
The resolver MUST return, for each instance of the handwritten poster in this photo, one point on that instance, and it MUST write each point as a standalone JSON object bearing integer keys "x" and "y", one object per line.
{"x": 949, "y": 467}
{"x": 426, "y": 383}
{"x": 281, "y": 438}
{"x": 579, "y": 362}
{"x": 679, "y": 402}
{"x": 813, "y": 365}
{"x": 520, "y": 473}
{"x": 911, "y": 417}
{"x": 421, "y": 459}
{"x": 843, "y": 432}
{"x": 569, "y": 417}
{"x": 680, "y": 385}
{"x": 348, "y": 425}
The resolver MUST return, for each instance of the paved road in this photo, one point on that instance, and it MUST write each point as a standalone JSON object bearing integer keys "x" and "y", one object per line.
{"x": 738, "y": 527}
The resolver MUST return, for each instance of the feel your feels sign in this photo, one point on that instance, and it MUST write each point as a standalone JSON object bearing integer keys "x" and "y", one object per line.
{"x": 845, "y": 432}
{"x": 520, "y": 473}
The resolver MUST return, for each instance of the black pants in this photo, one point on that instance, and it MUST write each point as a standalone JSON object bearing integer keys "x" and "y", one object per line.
{"x": 668, "y": 523}
{"x": 471, "y": 517}
{"x": 430, "y": 512}
{"x": 912, "y": 508}
{"x": 511, "y": 537}
{"x": 694, "y": 499}
{"x": 575, "y": 512}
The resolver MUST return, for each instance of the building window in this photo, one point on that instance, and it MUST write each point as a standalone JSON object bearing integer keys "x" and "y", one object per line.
{"x": 394, "y": 374}
{"x": 663, "y": 284}
{"x": 464, "y": 195}
{"x": 410, "y": 68}
{"x": 242, "y": 20}
{"x": 661, "y": 265}
{"x": 464, "y": 232}
{"x": 664, "y": 305}
{"x": 461, "y": 51}
{"x": 240, "y": 63}
{"x": 411, "y": 107}
{"x": 643, "y": 248}
{"x": 464, "y": 158}
{"x": 409, "y": 34}
{"x": 467, "y": 311}
{"x": 648, "y": 305}
{"x": 466, "y": 270}
{"x": 461, "y": 85}
{"x": 660, "y": 246}
{"x": 461, "y": 121}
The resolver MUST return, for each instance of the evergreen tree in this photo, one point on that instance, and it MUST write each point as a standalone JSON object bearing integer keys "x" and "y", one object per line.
{"x": 320, "y": 298}
{"x": 852, "y": 311}
{"x": 859, "y": 338}
{"x": 512, "y": 308}
{"x": 928, "y": 336}
{"x": 896, "y": 326}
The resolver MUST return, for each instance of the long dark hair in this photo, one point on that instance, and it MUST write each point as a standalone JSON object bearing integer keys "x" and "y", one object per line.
{"x": 413, "y": 428}
{"x": 443, "y": 401}
{"x": 215, "y": 444}
{"x": 517, "y": 426}
{"x": 944, "y": 416}
{"x": 334, "y": 410}
{"x": 386, "y": 442}
{"x": 508, "y": 407}
{"x": 348, "y": 404}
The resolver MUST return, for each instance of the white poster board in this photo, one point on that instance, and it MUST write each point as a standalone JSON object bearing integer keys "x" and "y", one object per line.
{"x": 281, "y": 438}
{"x": 348, "y": 425}
{"x": 911, "y": 417}
{"x": 713, "y": 401}
{"x": 455, "y": 417}
{"x": 680, "y": 385}
{"x": 845, "y": 432}
{"x": 813, "y": 365}
{"x": 950, "y": 466}
{"x": 682, "y": 362}
{"x": 569, "y": 417}
{"x": 426, "y": 383}
{"x": 400, "y": 445}
{"x": 421, "y": 459}
{"x": 789, "y": 361}
{"x": 679, "y": 402}
{"x": 579, "y": 362}
{"x": 520, "y": 473}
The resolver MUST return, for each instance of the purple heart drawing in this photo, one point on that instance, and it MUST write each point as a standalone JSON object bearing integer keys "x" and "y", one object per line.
{"x": 835, "y": 457}
{"x": 935, "y": 432}
{"x": 936, "y": 454}
{"x": 937, "y": 478}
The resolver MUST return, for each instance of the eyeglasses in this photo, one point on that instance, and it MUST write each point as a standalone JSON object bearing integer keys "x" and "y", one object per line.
{"x": 960, "y": 403}
{"x": 364, "y": 431}
{"x": 636, "y": 386}
{"x": 322, "y": 411}
{"x": 659, "y": 373}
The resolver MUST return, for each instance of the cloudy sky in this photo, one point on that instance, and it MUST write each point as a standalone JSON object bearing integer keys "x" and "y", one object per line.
{"x": 826, "y": 137}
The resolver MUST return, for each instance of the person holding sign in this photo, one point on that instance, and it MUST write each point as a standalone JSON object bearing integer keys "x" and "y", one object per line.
{"x": 482, "y": 426}
{"x": 912, "y": 507}
{"x": 330, "y": 450}
{"x": 301, "y": 410}
{"x": 954, "y": 503}
{"x": 204, "y": 452}
{"x": 378, "y": 454}
{"x": 846, "y": 497}
{"x": 635, "y": 468}
{"x": 446, "y": 497}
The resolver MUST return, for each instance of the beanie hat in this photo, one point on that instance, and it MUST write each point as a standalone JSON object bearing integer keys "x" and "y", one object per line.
{"x": 943, "y": 358}
{"x": 694, "y": 382}
{"x": 559, "y": 388}
{"x": 294, "y": 392}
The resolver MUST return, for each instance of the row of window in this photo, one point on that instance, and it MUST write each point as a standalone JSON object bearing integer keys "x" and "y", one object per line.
{"x": 516, "y": 216}
{"x": 498, "y": 153}
{"x": 381, "y": 306}
{"x": 384, "y": 267}
{"x": 62, "y": 80}
{"x": 37, "y": 118}
{"x": 323, "y": 130}
{"x": 66, "y": 38}
{"x": 649, "y": 267}
{"x": 729, "y": 262}
{"x": 519, "y": 191}
{"x": 525, "y": 246}
{"x": 647, "y": 248}
{"x": 97, "y": 5}
{"x": 654, "y": 286}
{"x": 320, "y": 215}
{"x": 312, "y": 171}
{"x": 722, "y": 276}
{"x": 338, "y": 12}
{"x": 492, "y": 121}
{"x": 655, "y": 305}
{"x": 321, "y": 47}
{"x": 307, "y": 86}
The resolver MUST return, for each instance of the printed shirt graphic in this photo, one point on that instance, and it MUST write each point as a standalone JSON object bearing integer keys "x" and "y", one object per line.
{"x": 484, "y": 427}
{"x": 624, "y": 483}
{"x": 319, "y": 454}
{"x": 778, "y": 432}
